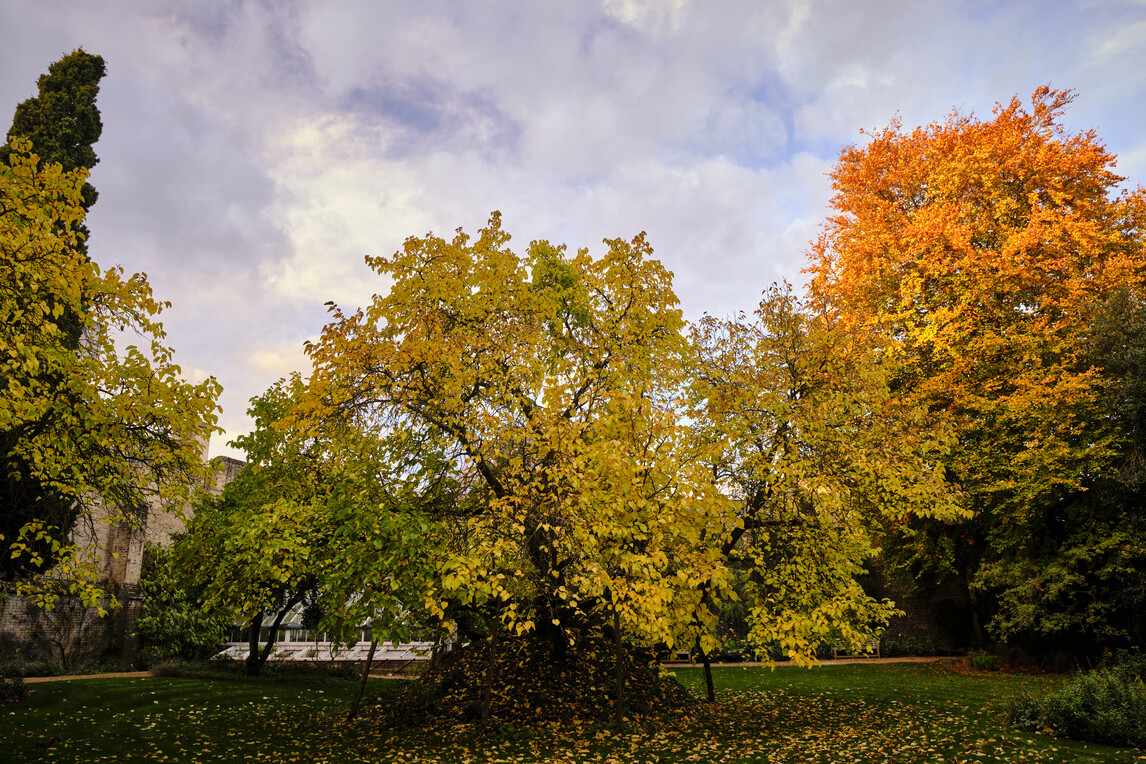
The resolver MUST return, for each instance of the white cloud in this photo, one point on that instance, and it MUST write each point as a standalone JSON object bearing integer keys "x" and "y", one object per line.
{"x": 652, "y": 17}
{"x": 280, "y": 360}
{"x": 254, "y": 152}
{"x": 1116, "y": 44}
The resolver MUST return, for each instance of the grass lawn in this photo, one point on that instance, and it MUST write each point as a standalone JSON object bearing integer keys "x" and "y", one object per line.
{"x": 855, "y": 713}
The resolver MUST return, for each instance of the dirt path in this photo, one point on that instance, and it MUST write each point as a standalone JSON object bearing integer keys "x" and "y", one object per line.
{"x": 118, "y": 675}
{"x": 837, "y": 662}
{"x": 830, "y": 662}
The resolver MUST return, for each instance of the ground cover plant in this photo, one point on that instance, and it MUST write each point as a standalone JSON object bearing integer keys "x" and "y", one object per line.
{"x": 867, "y": 712}
{"x": 1107, "y": 705}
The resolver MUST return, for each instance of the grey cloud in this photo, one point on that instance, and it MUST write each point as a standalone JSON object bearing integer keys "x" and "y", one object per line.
{"x": 255, "y": 151}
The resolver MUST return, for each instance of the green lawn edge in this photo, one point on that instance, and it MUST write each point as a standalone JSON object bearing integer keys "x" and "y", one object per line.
{"x": 860, "y": 712}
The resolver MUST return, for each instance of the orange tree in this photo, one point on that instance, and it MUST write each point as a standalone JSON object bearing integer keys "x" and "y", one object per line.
{"x": 986, "y": 252}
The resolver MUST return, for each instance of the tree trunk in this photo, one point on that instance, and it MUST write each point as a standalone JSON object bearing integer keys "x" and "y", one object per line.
{"x": 708, "y": 675}
{"x": 487, "y": 683}
{"x": 620, "y": 718}
{"x": 362, "y": 681}
{"x": 256, "y": 659}
{"x": 706, "y": 598}
{"x": 973, "y": 600}
{"x": 253, "y": 662}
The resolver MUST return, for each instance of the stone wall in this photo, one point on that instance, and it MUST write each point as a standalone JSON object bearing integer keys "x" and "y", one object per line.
{"x": 936, "y": 619}
{"x": 71, "y": 633}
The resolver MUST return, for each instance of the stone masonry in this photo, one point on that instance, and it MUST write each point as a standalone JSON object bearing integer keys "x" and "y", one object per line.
{"x": 74, "y": 631}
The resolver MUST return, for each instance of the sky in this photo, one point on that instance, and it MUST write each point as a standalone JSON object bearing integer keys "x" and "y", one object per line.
{"x": 253, "y": 153}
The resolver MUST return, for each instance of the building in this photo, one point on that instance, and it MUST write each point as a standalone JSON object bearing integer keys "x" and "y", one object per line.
{"x": 70, "y": 632}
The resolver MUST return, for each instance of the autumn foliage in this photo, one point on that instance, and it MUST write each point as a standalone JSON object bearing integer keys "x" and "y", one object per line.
{"x": 91, "y": 419}
{"x": 986, "y": 251}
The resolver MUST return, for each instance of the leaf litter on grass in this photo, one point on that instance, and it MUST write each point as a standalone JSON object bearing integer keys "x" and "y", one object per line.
{"x": 749, "y": 725}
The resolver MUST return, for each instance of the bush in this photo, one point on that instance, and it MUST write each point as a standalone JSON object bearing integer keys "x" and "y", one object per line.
{"x": 12, "y": 690}
{"x": 1128, "y": 665}
{"x": 172, "y": 624}
{"x": 908, "y": 645}
{"x": 1013, "y": 656}
{"x": 984, "y": 662}
{"x": 226, "y": 668}
{"x": 31, "y": 668}
{"x": 1103, "y": 706}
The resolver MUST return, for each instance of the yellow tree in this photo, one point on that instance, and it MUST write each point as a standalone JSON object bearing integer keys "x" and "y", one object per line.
{"x": 553, "y": 380}
{"x": 105, "y": 423}
{"x": 798, "y": 424}
{"x": 984, "y": 251}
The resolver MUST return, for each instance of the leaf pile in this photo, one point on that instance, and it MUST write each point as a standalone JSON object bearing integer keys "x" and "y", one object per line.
{"x": 533, "y": 683}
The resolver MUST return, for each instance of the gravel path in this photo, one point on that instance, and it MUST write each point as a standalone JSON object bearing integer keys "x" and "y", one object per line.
{"x": 118, "y": 675}
{"x": 837, "y": 662}
{"x": 830, "y": 662}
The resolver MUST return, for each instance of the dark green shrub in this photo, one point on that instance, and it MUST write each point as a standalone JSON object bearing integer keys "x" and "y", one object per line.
{"x": 908, "y": 645}
{"x": 172, "y": 624}
{"x": 1129, "y": 665}
{"x": 31, "y": 668}
{"x": 1013, "y": 656}
{"x": 227, "y": 668}
{"x": 1059, "y": 661}
{"x": 12, "y": 690}
{"x": 1103, "y": 706}
{"x": 1025, "y": 710}
{"x": 984, "y": 662}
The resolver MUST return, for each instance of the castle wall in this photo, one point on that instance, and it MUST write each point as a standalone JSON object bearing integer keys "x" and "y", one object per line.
{"x": 72, "y": 632}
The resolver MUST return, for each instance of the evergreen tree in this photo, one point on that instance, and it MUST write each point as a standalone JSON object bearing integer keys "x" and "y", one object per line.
{"x": 62, "y": 122}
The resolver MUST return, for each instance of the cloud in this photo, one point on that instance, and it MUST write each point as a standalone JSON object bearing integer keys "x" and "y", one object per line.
{"x": 280, "y": 360}
{"x": 254, "y": 152}
{"x": 652, "y": 17}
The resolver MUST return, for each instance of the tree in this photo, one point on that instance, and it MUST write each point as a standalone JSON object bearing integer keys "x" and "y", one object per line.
{"x": 339, "y": 529}
{"x": 62, "y": 123}
{"x": 172, "y": 623}
{"x": 98, "y": 423}
{"x": 797, "y": 423}
{"x": 1085, "y": 581}
{"x": 983, "y": 252}
{"x": 249, "y": 550}
{"x": 552, "y": 382}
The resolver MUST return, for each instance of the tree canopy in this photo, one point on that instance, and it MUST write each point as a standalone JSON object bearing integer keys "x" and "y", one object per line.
{"x": 339, "y": 530}
{"x": 799, "y": 425}
{"x": 985, "y": 252}
{"x": 97, "y": 421}
{"x": 63, "y": 123}
{"x": 614, "y": 470}
{"x": 549, "y": 381}
{"x": 62, "y": 120}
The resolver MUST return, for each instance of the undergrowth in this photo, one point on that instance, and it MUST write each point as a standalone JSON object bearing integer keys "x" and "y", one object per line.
{"x": 1107, "y": 705}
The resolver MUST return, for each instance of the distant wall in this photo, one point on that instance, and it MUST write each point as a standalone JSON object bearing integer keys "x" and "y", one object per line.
{"x": 75, "y": 633}
{"x": 936, "y": 620}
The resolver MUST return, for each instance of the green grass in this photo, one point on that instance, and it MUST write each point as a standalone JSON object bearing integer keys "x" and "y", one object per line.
{"x": 866, "y": 712}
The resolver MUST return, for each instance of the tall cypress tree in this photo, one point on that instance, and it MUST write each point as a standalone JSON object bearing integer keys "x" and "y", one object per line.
{"x": 62, "y": 122}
